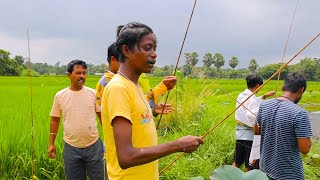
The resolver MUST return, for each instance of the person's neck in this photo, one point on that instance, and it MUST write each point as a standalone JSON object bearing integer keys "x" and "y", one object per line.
{"x": 113, "y": 71}
{"x": 76, "y": 88}
{"x": 128, "y": 73}
{"x": 252, "y": 89}
{"x": 287, "y": 96}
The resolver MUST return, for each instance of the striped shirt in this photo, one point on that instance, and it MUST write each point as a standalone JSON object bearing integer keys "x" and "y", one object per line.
{"x": 282, "y": 122}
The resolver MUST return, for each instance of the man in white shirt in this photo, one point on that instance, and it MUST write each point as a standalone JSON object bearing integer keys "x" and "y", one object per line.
{"x": 76, "y": 104}
{"x": 245, "y": 117}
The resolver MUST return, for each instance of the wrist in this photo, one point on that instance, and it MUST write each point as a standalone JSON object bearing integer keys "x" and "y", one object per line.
{"x": 55, "y": 134}
{"x": 176, "y": 146}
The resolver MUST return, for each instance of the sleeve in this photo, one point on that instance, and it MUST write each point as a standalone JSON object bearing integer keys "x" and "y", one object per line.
{"x": 253, "y": 106}
{"x": 97, "y": 104}
{"x": 55, "y": 110}
{"x": 118, "y": 101}
{"x": 158, "y": 91}
{"x": 302, "y": 125}
{"x": 98, "y": 93}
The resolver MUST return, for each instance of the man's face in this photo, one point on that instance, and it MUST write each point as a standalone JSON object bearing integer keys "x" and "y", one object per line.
{"x": 78, "y": 76}
{"x": 300, "y": 93}
{"x": 143, "y": 56}
{"x": 114, "y": 64}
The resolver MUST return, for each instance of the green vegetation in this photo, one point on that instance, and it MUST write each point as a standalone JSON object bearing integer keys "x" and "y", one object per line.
{"x": 199, "y": 104}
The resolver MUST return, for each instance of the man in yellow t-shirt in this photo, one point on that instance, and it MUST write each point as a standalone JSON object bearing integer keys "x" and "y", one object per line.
{"x": 128, "y": 101}
{"x": 129, "y": 130}
{"x": 152, "y": 95}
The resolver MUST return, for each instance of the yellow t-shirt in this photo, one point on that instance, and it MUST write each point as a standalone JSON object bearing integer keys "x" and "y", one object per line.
{"x": 152, "y": 94}
{"x": 156, "y": 93}
{"x": 124, "y": 98}
{"x": 102, "y": 83}
{"x": 143, "y": 81}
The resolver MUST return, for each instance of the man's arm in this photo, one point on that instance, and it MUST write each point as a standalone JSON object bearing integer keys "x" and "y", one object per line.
{"x": 303, "y": 132}
{"x": 54, "y": 127}
{"x": 257, "y": 129}
{"x": 304, "y": 145}
{"x": 99, "y": 116}
{"x": 129, "y": 156}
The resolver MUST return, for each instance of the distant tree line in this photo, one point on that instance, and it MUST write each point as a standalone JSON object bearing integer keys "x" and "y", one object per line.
{"x": 212, "y": 67}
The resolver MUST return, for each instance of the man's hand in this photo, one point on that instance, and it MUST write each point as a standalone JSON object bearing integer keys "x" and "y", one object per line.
{"x": 52, "y": 151}
{"x": 269, "y": 94}
{"x": 159, "y": 108}
{"x": 169, "y": 81}
{"x": 189, "y": 143}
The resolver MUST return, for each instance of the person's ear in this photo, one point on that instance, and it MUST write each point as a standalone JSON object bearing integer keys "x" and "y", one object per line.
{"x": 125, "y": 50}
{"x": 301, "y": 90}
{"x": 112, "y": 59}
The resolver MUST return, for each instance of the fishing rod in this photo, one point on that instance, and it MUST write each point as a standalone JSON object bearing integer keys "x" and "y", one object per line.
{"x": 31, "y": 109}
{"x": 286, "y": 44}
{"x": 178, "y": 60}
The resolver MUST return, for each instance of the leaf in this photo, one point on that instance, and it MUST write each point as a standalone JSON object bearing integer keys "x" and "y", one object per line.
{"x": 231, "y": 172}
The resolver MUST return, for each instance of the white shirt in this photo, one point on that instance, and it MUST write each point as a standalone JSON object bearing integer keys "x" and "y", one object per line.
{"x": 253, "y": 104}
{"x": 246, "y": 117}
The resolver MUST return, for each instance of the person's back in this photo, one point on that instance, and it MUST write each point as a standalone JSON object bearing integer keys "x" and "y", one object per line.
{"x": 285, "y": 131}
{"x": 282, "y": 122}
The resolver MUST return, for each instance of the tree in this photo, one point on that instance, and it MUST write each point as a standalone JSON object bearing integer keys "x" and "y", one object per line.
{"x": 267, "y": 71}
{"x": 253, "y": 65}
{"x": 4, "y": 58}
{"x": 207, "y": 60}
{"x": 191, "y": 58}
{"x": 167, "y": 70}
{"x": 8, "y": 66}
{"x": 186, "y": 69}
{"x": 218, "y": 61}
{"x": 20, "y": 60}
{"x": 309, "y": 68}
{"x": 233, "y": 63}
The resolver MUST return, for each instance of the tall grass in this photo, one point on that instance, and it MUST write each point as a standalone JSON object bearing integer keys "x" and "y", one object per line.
{"x": 199, "y": 105}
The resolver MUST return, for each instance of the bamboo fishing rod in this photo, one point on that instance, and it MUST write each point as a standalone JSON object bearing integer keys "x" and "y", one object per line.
{"x": 222, "y": 120}
{"x": 178, "y": 60}
{"x": 31, "y": 109}
{"x": 286, "y": 45}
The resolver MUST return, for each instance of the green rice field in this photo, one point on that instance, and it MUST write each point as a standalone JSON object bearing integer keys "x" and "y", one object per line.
{"x": 199, "y": 103}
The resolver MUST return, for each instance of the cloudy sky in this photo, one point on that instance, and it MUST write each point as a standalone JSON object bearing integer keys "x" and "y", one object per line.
{"x": 63, "y": 30}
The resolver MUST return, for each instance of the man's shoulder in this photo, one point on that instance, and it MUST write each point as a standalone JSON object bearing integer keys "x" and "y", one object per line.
{"x": 269, "y": 102}
{"x": 89, "y": 89}
{"x": 63, "y": 91}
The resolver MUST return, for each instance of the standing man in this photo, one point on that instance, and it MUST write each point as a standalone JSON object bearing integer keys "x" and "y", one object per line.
{"x": 285, "y": 131}
{"x": 128, "y": 127}
{"x": 245, "y": 117}
{"x": 83, "y": 150}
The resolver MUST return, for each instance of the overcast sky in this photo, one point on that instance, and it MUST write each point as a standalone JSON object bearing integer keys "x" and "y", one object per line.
{"x": 63, "y": 30}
